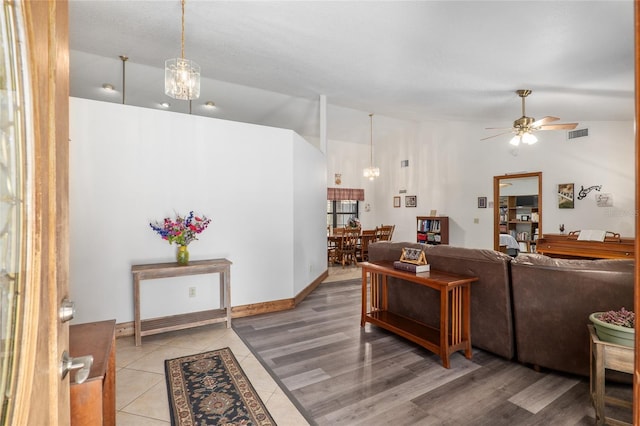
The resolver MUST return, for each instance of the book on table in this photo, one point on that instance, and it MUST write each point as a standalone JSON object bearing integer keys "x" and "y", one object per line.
{"x": 411, "y": 267}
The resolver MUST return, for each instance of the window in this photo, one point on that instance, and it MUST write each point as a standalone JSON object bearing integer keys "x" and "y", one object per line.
{"x": 339, "y": 212}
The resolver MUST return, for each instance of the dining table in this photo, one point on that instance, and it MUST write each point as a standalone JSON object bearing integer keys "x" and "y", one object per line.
{"x": 365, "y": 238}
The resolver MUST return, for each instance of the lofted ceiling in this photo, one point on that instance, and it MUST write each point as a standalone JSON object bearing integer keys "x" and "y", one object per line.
{"x": 267, "y": 62}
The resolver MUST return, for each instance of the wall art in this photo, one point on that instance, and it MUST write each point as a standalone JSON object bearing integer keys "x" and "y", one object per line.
{"x": 565, "y": 196}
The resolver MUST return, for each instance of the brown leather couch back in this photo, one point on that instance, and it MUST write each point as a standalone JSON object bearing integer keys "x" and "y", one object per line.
{"x": 552, "y": 301}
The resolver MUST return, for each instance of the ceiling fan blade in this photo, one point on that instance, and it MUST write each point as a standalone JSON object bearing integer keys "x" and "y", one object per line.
{"x": 543, "y": 120}
{"x": 499, "y": 134}
{"x": 559, "y": 126}
{"x": 498, "y": 128}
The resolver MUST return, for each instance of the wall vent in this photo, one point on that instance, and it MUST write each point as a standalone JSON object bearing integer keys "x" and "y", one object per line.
{"x": 578, "y": 133}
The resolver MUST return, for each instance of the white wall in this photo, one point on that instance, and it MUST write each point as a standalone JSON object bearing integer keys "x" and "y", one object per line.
{"x": 449, "y": 167}
{"x": 309, "y": 214}
{"x": 131, "y": 165}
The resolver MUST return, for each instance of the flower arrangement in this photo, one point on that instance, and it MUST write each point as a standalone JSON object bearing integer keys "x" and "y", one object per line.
{"x": 354, "y": 222}
{"x": 181, "y": 230}
{"x": 622, "y": 318}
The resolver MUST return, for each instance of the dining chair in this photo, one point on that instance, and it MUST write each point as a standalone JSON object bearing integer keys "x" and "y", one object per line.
{"x": 384, "y": 232}
{"x": 367, "y": 237}
{"x": 346, "y": 251}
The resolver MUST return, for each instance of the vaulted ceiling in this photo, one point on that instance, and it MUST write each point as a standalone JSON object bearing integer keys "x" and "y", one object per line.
{"x": 268, "y": 62}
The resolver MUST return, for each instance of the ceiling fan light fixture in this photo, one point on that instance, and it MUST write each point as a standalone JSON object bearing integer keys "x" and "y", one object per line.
{"x": 515, "y": 141}
{"x": 529, "y": 138}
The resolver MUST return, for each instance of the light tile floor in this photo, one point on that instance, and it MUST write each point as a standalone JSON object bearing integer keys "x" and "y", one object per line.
{"x": 141, "y": 390}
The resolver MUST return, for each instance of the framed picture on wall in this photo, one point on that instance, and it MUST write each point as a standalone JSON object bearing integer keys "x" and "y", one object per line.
{"x": 396, "y": 201}
{"x": 482, "y": 202}
{"x": 410, "y": 201}
{"x": 565, "y": 196}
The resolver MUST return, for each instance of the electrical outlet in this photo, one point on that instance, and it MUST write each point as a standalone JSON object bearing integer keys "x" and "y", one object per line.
{"x": 192, "y": 292}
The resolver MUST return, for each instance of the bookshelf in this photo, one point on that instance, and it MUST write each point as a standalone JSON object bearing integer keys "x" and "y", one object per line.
{"x": 519, "y": 218}
{"x": 432, "y": 229}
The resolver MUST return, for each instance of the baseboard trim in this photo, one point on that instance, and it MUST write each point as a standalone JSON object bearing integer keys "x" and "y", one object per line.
{"x": 127, "y": 328}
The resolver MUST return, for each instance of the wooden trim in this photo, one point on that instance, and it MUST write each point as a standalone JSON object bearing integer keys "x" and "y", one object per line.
{"x": 262, "y": 308}
{"x": 305, "y": 292}
{"x": 44, "y": 338}
{"x": 128, "y": 328}
{"x": 636, "y": 294}
{"x": 496, "y": 203}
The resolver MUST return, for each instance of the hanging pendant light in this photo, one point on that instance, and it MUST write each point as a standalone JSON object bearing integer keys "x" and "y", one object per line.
{"x": 371, "y": 172}
{"x": 182, "y": 76}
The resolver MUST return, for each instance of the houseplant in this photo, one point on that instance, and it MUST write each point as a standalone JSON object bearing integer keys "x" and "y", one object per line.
{"x": 615, "y": 326}
{"x": 182, "y": 231}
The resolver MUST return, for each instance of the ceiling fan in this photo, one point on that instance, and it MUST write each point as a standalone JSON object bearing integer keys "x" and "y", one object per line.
{"x": 524, "y": 126}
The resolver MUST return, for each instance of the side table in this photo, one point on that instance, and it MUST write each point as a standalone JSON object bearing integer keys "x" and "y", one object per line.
{"x": 614, "y": 357}
{"x": 146, "y": 327}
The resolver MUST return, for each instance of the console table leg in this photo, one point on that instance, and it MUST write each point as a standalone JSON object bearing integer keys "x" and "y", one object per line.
{"x": 136, "y": 310}
{"x": 444, "y": 327}
{"x": 364, "y": 297}
{"x": 225, "y": 294}
{"x": 466, "y": 319}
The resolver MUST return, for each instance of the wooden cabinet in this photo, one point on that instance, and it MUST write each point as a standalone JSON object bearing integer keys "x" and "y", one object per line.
{"x": 569, "y": 247}
{"x": 93, "y": 402}
{"x": 432, "y": 229}
{"x": 519, "y": 218}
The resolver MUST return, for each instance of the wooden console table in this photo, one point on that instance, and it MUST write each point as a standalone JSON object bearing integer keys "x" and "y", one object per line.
{"x": 454, "y": 333}
{"x": 614, "y": 357}
{"x": 93, "y": 402}
{"x": 178, "y": 322}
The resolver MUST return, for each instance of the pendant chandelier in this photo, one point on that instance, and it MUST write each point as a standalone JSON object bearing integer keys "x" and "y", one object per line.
{"x": 371, "y": 172}
{"x": 182, "y": 76}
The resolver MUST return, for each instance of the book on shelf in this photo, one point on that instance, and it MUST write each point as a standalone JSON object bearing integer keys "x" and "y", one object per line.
{"x": 410, "y": 267}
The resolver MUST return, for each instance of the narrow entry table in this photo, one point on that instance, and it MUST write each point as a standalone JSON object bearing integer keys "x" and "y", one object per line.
{"x": 454, "y": 333}
{"x": 179, "y": 322}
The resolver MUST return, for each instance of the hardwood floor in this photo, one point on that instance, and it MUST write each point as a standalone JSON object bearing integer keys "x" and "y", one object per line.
{"x": 340, "y": 374}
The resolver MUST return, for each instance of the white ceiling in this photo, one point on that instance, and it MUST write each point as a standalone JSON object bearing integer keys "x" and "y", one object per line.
{"x": 418, "y": 60}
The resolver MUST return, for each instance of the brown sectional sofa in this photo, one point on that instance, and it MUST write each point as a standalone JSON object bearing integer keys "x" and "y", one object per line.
{"x": 531, "y": 307}
{"x": 552, "y": 300}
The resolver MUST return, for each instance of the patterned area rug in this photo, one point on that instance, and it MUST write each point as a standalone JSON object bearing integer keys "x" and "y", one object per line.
{"x": 211, "y": 389}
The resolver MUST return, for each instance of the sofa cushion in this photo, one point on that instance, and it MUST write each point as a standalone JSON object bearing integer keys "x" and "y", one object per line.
{"x": 552, "y": 301}
{"x": 491, "y": 314}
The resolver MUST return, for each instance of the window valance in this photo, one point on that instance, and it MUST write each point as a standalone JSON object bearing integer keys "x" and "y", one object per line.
{"x": 339, "y": 194}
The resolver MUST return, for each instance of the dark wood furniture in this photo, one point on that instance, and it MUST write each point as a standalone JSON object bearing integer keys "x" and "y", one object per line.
{"x": 178, "y": 322}
{"x": 93, "y": 402}
{"x": 568, "y": 246}
{"x": 384, "y": 232}
{"x": 367, "y": 237}
{"x": 454, "y": 333}
{"x": 432, "y": 229}
{"x": 605, "y": 355}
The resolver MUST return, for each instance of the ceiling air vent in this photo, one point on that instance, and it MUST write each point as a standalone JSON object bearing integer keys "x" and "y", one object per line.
{"x": 578, "y": 133}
